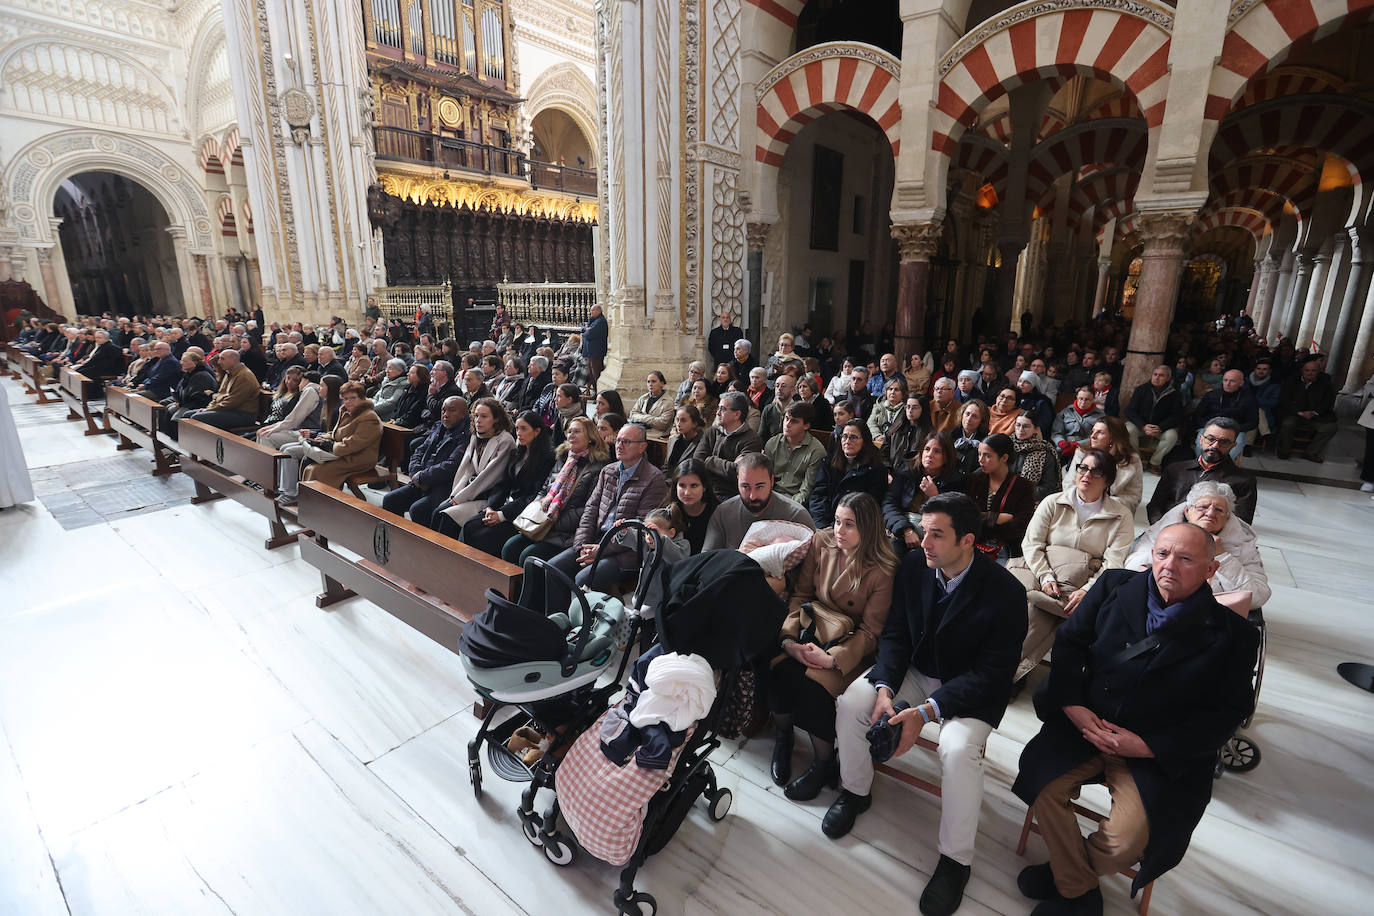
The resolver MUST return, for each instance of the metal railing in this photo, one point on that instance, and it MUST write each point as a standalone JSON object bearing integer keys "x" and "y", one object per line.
{"x": 402, "y": 302}
{"x": 560, "y": 306}
{"x": 451, "y": 153}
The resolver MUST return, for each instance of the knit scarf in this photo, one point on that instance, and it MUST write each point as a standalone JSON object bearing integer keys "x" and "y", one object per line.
{"x": 1032, "y": 459}
{"x": 561, "y": 488}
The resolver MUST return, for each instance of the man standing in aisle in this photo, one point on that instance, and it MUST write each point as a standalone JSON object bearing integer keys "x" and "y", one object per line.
{"x": 594, "y": 343}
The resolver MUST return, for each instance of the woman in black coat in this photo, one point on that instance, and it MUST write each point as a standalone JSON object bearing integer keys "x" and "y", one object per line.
{"x": 520, "y": 485}
{"x": 854, "y": 466}
{"x": 412, "y": 401}
{"x": 933, "y": 469}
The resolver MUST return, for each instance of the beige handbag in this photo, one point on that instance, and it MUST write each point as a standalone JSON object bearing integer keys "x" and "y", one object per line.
{"x": 534, "y": 521}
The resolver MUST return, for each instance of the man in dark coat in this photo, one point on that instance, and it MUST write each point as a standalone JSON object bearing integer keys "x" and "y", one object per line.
{"x": 432, "y": 465}
{"x": 164, "y": 374}
{"x": 1232, "y": 399}
{"x": 720, "y": 343}
{"x": 1307, "y": 402}
{"x": 1156, "y": 410}
{"x": 1214, "y": 464}
{"x": 106, "y": 360}
{"x": 1149, "y": 678}
{"x": 595, "y": 334}
{"x": 949, "y": 648}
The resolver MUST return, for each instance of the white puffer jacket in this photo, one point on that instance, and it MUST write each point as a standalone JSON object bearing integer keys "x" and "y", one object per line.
{"x": 1240, "y": 563}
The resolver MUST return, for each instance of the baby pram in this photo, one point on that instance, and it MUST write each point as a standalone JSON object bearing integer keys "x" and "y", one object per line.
{"x": 717, "y": 606}
{"x": 546, "y": 663}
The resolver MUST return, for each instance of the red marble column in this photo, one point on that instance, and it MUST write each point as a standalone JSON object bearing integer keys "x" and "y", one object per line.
{"x": 916, "y": 244}
{"x": 1165, "y": 235}
{"x": 207, "y": 297}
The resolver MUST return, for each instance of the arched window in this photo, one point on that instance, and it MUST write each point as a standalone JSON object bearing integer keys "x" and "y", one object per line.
{"x": 493, "y": 45}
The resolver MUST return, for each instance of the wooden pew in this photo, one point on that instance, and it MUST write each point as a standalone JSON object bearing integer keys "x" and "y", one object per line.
{"x": 391, "y": 458}
{"x": 10, "y": 355}
{"x": 77, "y": 392}
{"x": 657, "y": 450}
{"x": 424, "y": 579}
{"x": 224, "y": 464}
{"x": 35, "y": 377}
{"x": 135, "y": 419}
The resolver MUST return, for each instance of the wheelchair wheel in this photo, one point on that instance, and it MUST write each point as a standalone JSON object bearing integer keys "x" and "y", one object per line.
{"x": 1240, "y": 755}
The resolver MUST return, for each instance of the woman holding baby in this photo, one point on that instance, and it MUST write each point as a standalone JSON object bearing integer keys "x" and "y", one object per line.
{"x": 830, "y": 637}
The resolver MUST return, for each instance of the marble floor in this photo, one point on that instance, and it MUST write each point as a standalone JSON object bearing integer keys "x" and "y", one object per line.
{"x": 182, "y": 731}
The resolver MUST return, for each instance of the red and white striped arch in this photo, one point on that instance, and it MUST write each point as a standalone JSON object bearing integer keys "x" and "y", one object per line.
{"x": 828, "y": 77}
{"x": 1286, "y": 82}
{"x": 1262, "y": 200}
{"x": 980, "y": 154}
{"x": 1264, "y": 34}
{"x": 209, "y": 157}
{"x": 1251, "y": 221}
{"x": 1287, "y": 179}
{"x": 1103, "y": 142}
{"x": 228, "y": 225}
{"x": 247, "y": 218}
{"x": 1339, "y": 124}
{"x": 1100, "y": 189}
{"x": 1117, "y": 209}
{"x": 1039, "y": 41}
{"x": 784, "y": 11}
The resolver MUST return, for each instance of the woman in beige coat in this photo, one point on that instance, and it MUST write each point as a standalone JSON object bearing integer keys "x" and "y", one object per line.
{"x": 1072, "y": 537}
{"x": 355, "y": 441}
{"x": 483, "y": 465}
{"x": 830, "y": 637}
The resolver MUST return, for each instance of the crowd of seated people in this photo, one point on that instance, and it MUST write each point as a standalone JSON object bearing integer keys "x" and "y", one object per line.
{"x": 993, "y": 489}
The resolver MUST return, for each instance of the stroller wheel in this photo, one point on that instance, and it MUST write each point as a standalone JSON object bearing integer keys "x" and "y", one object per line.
{"x": 720, "y": 804}
{"x": 558, "y": 850}
{"x": 637, "y": 904}
{"x": 475, "y": 777}
{"x": 530, "y": 829}
{"x": 1240, "y": 755}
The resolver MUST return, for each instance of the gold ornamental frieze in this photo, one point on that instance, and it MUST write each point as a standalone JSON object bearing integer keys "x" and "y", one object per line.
{"x": 454, "y": 193}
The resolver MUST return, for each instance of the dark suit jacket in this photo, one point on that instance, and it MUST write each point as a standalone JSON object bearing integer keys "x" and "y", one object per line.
{"x": 976, "y": 645}
{"x": 1178, "y": 478}
{"x": 104, "y": 360}
{"x": 1184, "y": 699}
{"x": 1319, "y": 396}
{"x": 163, "y": 377}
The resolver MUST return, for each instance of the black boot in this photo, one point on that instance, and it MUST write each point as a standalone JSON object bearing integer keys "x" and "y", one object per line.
{"x": 1037, "y": 882}
{"x": 782, "y": 756}
{"x": 809, "y": 784}
{"x": 945, "y": 891}
{"x": 1089, "y": 904}
{"x": 845, "y": 810}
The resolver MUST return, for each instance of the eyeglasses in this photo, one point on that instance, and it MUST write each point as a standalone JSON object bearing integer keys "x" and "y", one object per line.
{"x": 1213, "y": 440}
{"x": 851, "y": 437}
{"x": 622, "y": 441}
{"x": 1092, "y": 471}
{"x": 1208, "y": 509}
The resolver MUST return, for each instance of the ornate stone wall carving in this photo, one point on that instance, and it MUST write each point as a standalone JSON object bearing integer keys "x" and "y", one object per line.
{"x": 59, "y": 79}
{"x": 689, "y": 302}
{"x": 449, "y": 192}
{"x": 665, "y": 75}
{"x": 831, "y": 50}
{"x": 566, "y": 88}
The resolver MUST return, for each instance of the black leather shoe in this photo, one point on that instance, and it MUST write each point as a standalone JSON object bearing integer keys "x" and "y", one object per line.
{"x": 1090, "y": 904}
{"x": 845, "y": 810}
{"x": 809, "y": 784}
{"x": 945, "y": 891}
{"x": 1037, "y": 882}
{"x": 782, "y": 757}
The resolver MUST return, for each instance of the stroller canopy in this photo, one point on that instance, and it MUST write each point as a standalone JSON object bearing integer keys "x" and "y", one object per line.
{"x": 717, "y": 605}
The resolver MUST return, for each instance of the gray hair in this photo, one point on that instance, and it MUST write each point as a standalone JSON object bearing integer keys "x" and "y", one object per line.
{"x": 538, "y": 364}
{"x": 744, "y": 345}
{"x": 734, "y": 400}
{"x": 758, "y": 371}
{"x": 445, "y": 366}
{"x": 1209, "y": 488}
{"x": 397, "y": 363}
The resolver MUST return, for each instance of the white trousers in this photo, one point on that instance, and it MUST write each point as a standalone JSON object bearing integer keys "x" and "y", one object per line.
{"x": 962, "y": 742}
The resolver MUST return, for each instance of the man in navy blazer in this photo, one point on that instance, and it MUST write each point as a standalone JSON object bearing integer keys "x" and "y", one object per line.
{"x": 164, "y": 375}
{"x": 1150, "y": 677}
{"x": 949, "y": 648}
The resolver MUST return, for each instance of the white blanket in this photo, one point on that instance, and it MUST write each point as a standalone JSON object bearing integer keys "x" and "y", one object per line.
{"x": 679, "y": 690}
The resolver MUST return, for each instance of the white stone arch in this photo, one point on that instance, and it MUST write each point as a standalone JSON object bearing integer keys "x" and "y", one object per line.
{"x": 33, "y": 176}
{"x": 567, "y": 88}
{"x": 209, "y": 54}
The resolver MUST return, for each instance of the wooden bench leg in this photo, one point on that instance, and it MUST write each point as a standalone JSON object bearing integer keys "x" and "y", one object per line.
{"x": 281, "y": 537}
{"x": 334, "y": 591}
{"x": 204, "y": 494}
{"x": 163, "y": 464}
{"x": 125, "y": 444}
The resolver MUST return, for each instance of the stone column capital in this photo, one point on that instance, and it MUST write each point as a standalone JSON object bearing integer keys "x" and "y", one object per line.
{"x": 917, "y": 241}
{"x": 756, "y": 235}
{"x": 178, "y": 233}
{"x": 1166, "y": 231}
{"x": 44, "y": 256}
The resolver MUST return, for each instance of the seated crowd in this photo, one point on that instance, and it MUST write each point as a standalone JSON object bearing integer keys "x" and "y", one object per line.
{"x": 971, "y": 511}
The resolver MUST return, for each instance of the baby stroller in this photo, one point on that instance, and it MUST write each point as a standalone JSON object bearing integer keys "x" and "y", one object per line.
{"x": 546, "y": 663}
{"x": 716, "y": 606}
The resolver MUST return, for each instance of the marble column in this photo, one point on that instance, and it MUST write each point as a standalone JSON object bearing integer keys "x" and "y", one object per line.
{"x": 1283, "y": 285}
{"x": 1364, "y": 339}
{"x": 1351, "y": 306}
{"x": 916, "y": 244}
{"x": 1337, "y": 279}
{"x": 1000, "y": 319}
{"x": 207, "y": 296}
{"x": 1165, "y": 235}
{"x": 1316, "y": 296}
{"x": 756, "y": 237}
{"x": 254, "y": 282}
{"x": 186, "y": 271}
{"x": 1104, "y": 272}
{"x": 51, "y": 290}
{"x": 1297, "y": 296}
{"x": 1266, "y": 277}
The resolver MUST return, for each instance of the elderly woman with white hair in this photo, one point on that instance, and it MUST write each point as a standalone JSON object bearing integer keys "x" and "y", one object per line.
{"x": 966, "y": 388}
{"x": 1211, "y": 506}
{"x": 392, "y": 386}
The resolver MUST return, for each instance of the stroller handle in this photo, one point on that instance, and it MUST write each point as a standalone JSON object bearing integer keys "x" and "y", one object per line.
{"x": 643, "y": 533}
{"x": 584, "y": 634}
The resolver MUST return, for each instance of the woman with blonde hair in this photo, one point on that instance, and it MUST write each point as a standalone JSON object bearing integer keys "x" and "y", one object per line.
{"x": 829, "y": 637}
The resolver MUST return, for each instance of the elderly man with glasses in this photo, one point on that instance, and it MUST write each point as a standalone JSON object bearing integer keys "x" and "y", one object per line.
{"x": 627, "y": 488}
{"x": 1214, "y": 464}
